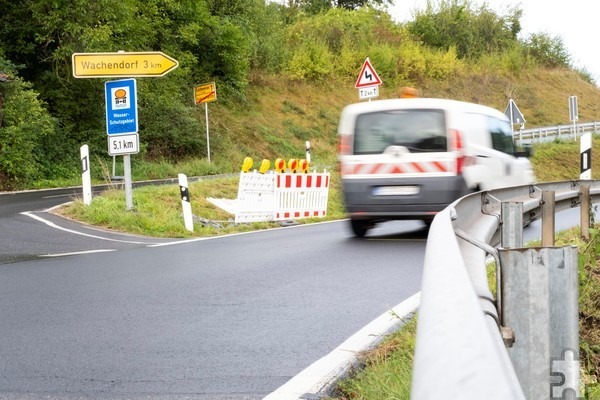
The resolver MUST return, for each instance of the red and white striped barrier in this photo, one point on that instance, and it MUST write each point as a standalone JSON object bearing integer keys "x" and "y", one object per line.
{"x": 276, "y": 197}
{"x": 301, "y": 195}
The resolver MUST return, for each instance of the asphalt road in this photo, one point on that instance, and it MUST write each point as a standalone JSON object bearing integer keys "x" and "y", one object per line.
{"x": 224, "y": 318}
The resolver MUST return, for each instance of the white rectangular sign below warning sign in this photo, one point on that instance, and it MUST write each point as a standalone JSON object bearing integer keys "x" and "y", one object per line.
{"x": 368, "y": 92}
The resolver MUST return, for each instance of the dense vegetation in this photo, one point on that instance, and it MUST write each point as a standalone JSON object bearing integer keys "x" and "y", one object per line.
{"x": 259, "y": 53}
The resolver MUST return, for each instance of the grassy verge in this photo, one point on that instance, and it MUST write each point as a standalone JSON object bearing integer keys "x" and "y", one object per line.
{"x": 157, "y": 210}
{"x": 387, "y": 370}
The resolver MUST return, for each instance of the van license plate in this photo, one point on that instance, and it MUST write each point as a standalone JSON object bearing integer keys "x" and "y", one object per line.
{"x": 395, "y": 190}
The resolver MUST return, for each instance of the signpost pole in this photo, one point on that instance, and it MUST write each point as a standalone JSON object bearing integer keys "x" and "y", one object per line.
{"x": 207, "y": 135}
{"x": 512, "y": 117}
{"x": 206, "y": 93}
{"x": 573, "y": 114}
{"x": 128, "y": 184}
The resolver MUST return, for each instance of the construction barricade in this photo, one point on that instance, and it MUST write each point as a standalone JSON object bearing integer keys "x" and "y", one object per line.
{"x": 255, "y": 198}
{"x": 301, "y": 195}
{"x": 277, "y": 195}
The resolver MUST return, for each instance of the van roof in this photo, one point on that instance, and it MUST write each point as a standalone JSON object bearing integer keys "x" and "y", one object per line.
{"x": 407, "y": 103}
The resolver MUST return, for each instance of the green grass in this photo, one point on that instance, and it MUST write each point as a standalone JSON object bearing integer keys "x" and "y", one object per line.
{"x": 157, "y": 210}
{"x": 559, "y": 160}
{"x": 387, "y": 370}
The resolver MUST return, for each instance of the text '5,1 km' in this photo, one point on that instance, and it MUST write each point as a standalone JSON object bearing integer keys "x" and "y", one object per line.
{"x": 123, "y": 144}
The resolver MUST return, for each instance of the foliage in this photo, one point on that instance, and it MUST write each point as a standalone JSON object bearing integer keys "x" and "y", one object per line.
{"x": 211, "y": 41}
{"x": 513, "y": 61}
{"x": 27, "y": 134}
{"x": 549, "y": 51}
{"x": 311, "y": 61}
{"x": 316, "y": 6}
{"x": 589, "y": 307}
{"x": 336, "y": 42}
{"x": 473, "y": 32}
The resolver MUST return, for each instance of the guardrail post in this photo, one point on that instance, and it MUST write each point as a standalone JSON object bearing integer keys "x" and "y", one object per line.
{"x": 539, "y": 297}
{"x": 548, "y": 218}
{"x": 512, "y": 225}
{"x": 585, "y": 211}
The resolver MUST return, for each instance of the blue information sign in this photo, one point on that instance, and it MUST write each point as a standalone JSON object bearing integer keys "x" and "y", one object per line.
{"x": 121, "y": 107}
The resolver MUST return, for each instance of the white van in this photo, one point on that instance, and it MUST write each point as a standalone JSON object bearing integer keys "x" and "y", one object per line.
{"x": 409, "y": 158}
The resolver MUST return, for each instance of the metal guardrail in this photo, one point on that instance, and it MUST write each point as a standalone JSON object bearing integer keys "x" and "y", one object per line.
{"x": 460, "y": 351}
{"x": 550, "y": 133}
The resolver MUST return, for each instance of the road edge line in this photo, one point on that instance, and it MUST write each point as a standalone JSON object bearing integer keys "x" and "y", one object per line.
{"x": 320, "y": 376}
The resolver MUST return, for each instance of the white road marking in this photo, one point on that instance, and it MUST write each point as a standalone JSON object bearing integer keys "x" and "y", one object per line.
{"x": 184, "y": 241}
{"x": 75, "y": 253}
{"x": 53, "y": 225}
{"x": 320, "y": 375}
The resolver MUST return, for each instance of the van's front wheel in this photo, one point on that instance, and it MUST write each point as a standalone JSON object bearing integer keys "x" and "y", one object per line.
{"x": 360, "y": 227}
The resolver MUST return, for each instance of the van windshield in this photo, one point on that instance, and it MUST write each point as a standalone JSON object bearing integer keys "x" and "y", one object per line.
{"x": 418, "y": 130}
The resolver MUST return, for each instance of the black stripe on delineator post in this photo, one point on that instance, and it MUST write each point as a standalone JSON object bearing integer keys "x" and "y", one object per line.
{"x": 185, "y": 193}
{"x": 185, "y": 203}
{"x": 585, "y": 157}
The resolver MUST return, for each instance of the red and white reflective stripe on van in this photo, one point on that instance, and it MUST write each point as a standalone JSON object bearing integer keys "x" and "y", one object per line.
{"x": 456, "y": 145}
{"x": 413, "y": 167}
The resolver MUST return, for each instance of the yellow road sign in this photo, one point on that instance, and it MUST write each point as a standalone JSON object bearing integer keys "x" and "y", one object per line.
{"x": 122, "y": 64}
{"x": 205, "y": 93}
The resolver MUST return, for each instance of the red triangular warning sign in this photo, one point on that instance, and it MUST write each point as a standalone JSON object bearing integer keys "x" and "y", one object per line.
{"x": 368, "y": 76}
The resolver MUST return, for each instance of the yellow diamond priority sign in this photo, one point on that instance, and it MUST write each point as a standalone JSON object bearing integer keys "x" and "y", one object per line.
{"x": 122, "y": 64}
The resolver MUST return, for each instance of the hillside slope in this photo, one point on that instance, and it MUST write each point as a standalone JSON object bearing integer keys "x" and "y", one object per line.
{"x": 279, "y": 115}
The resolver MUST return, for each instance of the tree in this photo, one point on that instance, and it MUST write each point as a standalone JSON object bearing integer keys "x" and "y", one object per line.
{"x": 317, "y": 6}
{"x": 26, "y": 126}
{"x": 354, "y": 4}
{"x": 549, "y": 51}
{"x": 472, "y": 31}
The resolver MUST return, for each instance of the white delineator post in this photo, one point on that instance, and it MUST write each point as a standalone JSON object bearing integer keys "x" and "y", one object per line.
{"x": 86, "y": 179}
{"x": 308, "y": 151}
{"x": 585, "y": 146}
{"x": 185, "y": 203}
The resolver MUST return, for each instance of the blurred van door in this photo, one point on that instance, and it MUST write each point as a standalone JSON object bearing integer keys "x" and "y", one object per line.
{"x": 490, "y": 148}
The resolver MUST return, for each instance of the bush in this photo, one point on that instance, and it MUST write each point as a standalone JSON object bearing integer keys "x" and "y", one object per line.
{"x": 312, "y": 60}
{"x": 24, "y": 123}
{"x": 549, "y": 51}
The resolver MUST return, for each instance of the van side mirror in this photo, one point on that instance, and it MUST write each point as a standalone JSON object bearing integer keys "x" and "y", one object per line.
{"x": 524, "y": 151}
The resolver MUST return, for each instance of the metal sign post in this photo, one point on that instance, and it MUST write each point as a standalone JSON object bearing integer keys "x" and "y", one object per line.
{"x": 573, "y": 114}
{"x": 206, "y": 93}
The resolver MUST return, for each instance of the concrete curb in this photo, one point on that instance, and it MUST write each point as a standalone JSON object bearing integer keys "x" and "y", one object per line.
{"x": 318, "y": 379}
